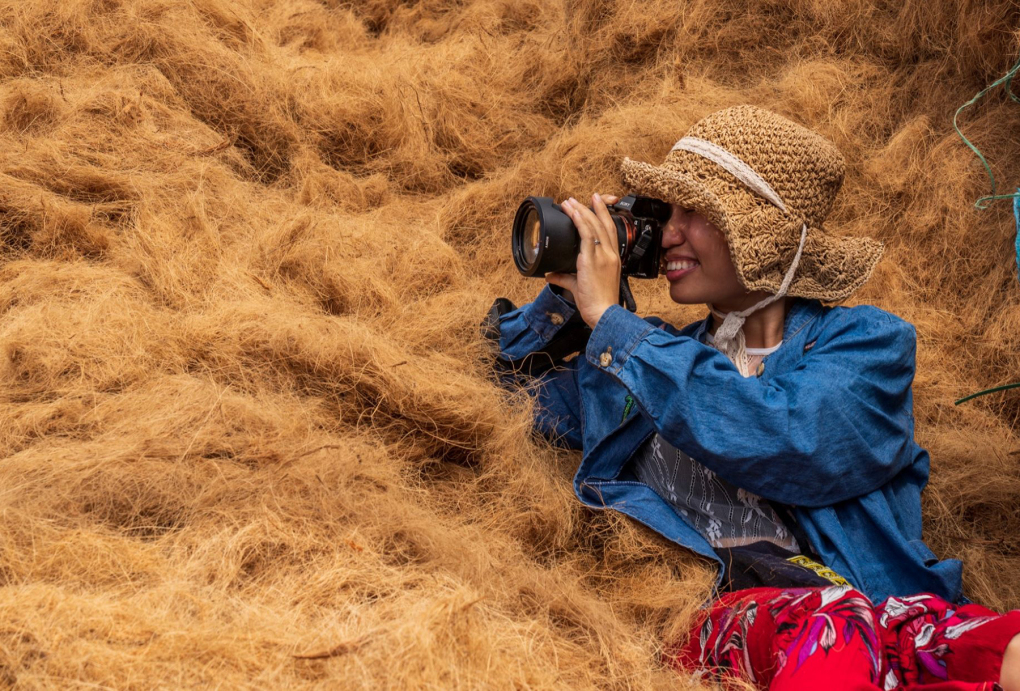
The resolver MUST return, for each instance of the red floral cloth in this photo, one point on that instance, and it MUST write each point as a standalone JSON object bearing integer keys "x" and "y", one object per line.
{"x": 834, "y": 638}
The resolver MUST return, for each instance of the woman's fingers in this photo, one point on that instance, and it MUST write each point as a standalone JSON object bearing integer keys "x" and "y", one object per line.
{"x": 596, "y": 285}
{"x": 584, "y": 228}
{"x": 598, "y": 225}
{"x": 593, "y": 225}
{"x": 606, "y": 227}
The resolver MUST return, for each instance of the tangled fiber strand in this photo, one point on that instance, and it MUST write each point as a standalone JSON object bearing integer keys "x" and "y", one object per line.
{"x": 247, "y": 434}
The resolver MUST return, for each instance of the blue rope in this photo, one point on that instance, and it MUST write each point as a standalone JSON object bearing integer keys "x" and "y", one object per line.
{"x": 1016, "y": 219}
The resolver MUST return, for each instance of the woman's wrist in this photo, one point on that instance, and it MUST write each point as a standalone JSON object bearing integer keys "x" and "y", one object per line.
{"x": 593, "y": 317}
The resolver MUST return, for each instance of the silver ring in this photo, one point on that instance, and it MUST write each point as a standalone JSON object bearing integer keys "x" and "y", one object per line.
{"x": 598, "y": 242}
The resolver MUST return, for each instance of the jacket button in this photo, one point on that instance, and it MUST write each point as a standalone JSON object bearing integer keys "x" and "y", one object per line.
{"x": 761, "y": 369}
{"x": 556, "y": 318}
{"x": 605, "y": 359}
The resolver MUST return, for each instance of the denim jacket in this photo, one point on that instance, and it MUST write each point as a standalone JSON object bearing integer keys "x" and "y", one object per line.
{"x": 826, "y": 428}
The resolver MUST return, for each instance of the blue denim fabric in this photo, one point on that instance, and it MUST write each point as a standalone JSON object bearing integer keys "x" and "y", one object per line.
{"x": 827, "y": 428}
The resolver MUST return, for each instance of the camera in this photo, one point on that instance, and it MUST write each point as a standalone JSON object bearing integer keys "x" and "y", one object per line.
{"x": 545, "y": 239}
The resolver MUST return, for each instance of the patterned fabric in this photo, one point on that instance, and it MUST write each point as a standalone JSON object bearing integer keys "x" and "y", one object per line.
{"x": 835, "y": 638}
{"x": 724, "y": 514}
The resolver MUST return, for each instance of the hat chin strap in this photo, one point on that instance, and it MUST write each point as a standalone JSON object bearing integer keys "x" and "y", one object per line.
{"x": 729, "y": 337}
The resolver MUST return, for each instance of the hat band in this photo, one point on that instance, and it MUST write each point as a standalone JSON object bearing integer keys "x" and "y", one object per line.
{"x": 736, "y": 167}
{"x": 745, "y": 174}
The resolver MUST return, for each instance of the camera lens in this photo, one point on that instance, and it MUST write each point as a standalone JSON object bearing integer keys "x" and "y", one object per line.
{"x": 544, "y": 238}
{"x": 532, "y": 236}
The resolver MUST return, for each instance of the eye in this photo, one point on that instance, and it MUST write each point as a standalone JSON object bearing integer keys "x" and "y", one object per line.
{"x": 681, "y": 213}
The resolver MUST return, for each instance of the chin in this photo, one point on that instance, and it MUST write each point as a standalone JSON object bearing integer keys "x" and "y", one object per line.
{"x": 682, "y": 295}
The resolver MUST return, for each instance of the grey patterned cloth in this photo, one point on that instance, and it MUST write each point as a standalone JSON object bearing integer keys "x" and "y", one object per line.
{"x": 724, "y": 514}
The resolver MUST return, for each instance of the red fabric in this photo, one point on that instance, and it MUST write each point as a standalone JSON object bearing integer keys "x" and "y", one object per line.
{"x": 834, "y": 638}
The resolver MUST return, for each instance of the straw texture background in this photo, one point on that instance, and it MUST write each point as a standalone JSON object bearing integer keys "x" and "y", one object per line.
{"x": 247, "y": 439}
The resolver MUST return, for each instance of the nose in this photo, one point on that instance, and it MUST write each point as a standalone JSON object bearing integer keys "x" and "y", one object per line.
{"x": 675, "y": 231}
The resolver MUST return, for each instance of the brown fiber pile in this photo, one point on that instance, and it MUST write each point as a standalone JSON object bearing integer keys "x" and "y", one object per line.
{"x": 246, "y": 433}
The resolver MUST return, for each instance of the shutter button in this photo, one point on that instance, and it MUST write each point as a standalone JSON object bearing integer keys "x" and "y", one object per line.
{"x": 761, "y": 369}
{"x": 556, "y": 318}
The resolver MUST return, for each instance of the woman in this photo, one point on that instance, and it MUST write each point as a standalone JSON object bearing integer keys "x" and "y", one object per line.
{"x": 776, "y": 436}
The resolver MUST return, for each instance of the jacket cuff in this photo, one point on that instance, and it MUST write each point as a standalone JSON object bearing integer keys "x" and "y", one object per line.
{"x": 614, "y": 337}
{"x": 548, "y": 313}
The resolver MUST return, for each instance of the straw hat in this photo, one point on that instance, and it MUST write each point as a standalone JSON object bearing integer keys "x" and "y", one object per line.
{"x": 767, "y": 183}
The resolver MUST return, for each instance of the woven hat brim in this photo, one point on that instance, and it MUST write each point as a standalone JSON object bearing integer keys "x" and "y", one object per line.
{"x": 831, "y": 268}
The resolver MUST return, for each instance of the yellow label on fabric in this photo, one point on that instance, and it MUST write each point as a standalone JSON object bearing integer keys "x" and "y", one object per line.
{"x": 821, "y": 569}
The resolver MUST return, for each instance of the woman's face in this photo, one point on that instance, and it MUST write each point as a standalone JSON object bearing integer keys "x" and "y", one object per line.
{"x": 698, "y": 264}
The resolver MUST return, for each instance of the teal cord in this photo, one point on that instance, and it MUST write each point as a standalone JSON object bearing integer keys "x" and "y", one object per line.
{"x": 1006, "y": 79}
{"x": 982, "y": 393}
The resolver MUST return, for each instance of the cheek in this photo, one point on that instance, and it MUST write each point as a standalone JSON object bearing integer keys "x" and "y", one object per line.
{"x": 719, "y": 269}
{"x": 724, "y": 262}
{"x": 714, "y": 254}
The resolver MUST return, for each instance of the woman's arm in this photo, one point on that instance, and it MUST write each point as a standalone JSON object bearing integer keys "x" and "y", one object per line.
{"x": 532, "y": 341}
{"x": 837, "y": 426}
{"x": 535, "y": 338}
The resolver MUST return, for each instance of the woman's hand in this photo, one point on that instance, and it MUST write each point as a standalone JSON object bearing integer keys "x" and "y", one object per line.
{"x": 596, "y": 285}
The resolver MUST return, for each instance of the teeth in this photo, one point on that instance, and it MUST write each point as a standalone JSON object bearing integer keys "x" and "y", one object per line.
{"x": 680, "y": 265}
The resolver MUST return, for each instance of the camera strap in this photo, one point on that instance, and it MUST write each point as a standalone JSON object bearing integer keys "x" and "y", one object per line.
{"x": 626, "y": 296}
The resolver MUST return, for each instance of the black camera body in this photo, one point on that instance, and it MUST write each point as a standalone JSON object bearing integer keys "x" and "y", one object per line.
{"x": 544, "y": 238}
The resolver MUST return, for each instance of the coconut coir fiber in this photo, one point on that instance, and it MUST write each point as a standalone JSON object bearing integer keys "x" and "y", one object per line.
{"x": 246, "y": 432}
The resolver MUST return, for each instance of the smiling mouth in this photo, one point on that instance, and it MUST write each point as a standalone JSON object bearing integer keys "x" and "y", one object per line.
{"x": 678, "y": 268}
{"x": 681, "y": 265}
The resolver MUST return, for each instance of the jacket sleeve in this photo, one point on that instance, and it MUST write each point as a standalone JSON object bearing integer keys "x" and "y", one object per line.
{"x": 839, "y": 425}
{"x": 532, "y": 340}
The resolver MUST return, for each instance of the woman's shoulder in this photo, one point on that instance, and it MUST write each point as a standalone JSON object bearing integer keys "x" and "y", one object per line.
{"x": 865, "y": 315}
{"x": 866, "y": 323}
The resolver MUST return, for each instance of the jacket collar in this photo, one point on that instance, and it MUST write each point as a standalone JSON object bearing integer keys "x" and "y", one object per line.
{"x": 802, "y": 311}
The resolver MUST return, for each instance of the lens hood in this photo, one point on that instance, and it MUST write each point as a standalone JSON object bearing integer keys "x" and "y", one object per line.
{"x": 544, "y": 238}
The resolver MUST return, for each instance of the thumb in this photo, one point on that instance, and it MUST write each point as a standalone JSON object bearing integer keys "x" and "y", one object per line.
{"x": 565, "y": 281}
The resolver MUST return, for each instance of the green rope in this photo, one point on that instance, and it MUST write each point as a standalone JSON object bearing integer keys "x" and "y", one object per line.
{"x": 982, "y": 393}
{"x": 1006, "y": 79}
{"x": 981, "y": 203}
